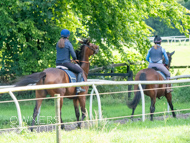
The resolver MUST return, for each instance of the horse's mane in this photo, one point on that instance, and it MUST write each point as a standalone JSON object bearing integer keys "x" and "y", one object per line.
{"x": 80, "y": 52}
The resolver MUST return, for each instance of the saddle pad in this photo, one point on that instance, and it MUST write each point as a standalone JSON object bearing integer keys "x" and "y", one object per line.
{"x": 72, "y": 76}
{"x": 62, "y": 67}
{"x": 162, "y": 74}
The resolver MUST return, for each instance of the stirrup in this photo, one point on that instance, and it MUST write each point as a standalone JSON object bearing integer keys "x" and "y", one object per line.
{"x": 79, "y": 89}
{"x": 169, "y": 90}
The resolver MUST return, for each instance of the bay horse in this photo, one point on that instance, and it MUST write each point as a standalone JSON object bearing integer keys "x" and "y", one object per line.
{"x": 148, "y": 75}
{"x": 57, "y": 76}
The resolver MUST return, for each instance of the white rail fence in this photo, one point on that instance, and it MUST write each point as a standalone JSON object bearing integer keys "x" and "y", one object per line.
{"x": 10, "y": 90}
{"x": 171, "y": 39}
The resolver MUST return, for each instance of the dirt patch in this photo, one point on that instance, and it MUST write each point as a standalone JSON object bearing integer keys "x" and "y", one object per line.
{"x": 70, "y": 127}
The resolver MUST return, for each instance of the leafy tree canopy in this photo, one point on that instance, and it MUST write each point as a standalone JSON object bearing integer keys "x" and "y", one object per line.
{"x": 31, "y": 28}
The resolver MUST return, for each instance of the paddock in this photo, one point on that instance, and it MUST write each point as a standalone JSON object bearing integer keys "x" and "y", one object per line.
{"x": 91, "y": 82}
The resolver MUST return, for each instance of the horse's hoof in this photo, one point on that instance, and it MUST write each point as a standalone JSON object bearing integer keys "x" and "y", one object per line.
{"x": 79, "y": 125}
{"x": 31, "y": 129}
{"x": 62, "y": 127}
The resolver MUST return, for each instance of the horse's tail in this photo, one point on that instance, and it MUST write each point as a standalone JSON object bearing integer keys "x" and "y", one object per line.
{"x": 136, "y": 99}
{"x": 31, "y": 79}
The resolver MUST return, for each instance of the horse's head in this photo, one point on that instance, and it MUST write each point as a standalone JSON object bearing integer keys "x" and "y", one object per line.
{"x": 90, "y": 49}
{"x": 86, "y": 50}
{"x": 169, "y": 58}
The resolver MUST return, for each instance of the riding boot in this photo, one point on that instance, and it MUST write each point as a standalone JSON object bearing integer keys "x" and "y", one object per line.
{"x": 168, "y": 90}
{"x": 80, "y": 79}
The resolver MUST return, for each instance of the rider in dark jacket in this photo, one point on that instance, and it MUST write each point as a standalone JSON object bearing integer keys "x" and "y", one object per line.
{"x": 154, "y": 57}
{"x": 64, "y": 50}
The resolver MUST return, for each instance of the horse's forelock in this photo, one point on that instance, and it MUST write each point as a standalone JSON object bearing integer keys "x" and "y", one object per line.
{"x": 80, "y": 52}
{"x": 86, "y": 41}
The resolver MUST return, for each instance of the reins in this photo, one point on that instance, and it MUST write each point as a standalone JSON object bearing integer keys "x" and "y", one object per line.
{"x": 95, "y": 51}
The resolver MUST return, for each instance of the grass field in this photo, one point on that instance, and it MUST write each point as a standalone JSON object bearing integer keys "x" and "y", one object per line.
{"x": 170, "y": 130}
{"x": 112, "y": 106}
{"x": 180, "y": 58}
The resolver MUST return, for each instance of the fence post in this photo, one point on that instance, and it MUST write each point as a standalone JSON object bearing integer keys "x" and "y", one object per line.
{"x": 99, "y": 102}
{"x": 143, "y": 103}
{"x": 57, "y": 112}
{"x": 18, "y": 108}
{"x": 91, "y": 99}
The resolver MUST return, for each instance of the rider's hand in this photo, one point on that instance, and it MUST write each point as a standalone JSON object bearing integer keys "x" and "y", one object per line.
{"x": 166, "y": 66}
{"x": 77, "y": 61}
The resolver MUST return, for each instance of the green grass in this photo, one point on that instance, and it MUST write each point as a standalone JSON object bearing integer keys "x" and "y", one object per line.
{"x": 112, "y": 106}
{"x": 169, "y": 130}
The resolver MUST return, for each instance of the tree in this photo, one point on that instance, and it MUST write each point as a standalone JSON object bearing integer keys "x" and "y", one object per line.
{"x": 161, "y": 28}
{"x": 30, "y": 29}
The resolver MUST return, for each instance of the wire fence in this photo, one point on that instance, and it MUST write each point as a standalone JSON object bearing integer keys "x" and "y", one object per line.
{"x": 105, "y": 93}
{"x": 90, "y": 122}
{"x": 171, "y": 39}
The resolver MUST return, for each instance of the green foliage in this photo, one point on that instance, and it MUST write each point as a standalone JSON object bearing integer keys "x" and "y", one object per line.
{"x": 160, "y": 26}
{"x": 27, "y": 31}
{"x": 30, "y": 29}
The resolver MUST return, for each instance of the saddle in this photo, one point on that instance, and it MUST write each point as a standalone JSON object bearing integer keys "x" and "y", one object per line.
{"x": 161, "y": 73}
{"x": 72, "y": 76}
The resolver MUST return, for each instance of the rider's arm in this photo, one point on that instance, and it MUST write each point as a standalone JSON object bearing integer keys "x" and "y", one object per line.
{"x": 165, "y": 56}
{"x": 73, "y": 54}
{"x": 148, "y": 55}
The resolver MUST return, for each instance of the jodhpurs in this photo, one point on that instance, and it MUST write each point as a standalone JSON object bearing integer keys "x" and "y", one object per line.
{"x": 160, "y": 67}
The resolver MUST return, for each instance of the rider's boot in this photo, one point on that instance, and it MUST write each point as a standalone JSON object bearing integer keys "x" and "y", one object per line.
{"x": 168, "y": 90}
{"x": 79, "y": 79}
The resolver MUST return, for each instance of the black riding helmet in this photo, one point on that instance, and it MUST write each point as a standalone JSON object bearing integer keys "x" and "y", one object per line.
{"x": 157, "y": 39}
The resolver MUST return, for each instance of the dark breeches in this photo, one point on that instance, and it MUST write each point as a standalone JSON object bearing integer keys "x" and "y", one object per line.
{"x": 76, "y": 69}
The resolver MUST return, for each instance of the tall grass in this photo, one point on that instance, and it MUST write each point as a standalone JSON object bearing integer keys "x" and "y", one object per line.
{"x": 171, "y": 130}
{"x": 113, "y": 105}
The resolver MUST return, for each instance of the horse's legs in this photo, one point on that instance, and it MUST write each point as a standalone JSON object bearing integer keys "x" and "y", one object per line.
{"x": 61, "y": 104}
{"x": 77, "y": 113}
{"x": 169, "y": 99}
{"x": 36, "y": 108}
{"x": 82, "y": 101}
{"x": 152, "y": 107}
{"x": 133, "y": 110}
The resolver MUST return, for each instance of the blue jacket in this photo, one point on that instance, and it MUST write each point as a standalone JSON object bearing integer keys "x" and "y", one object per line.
{"x": 160, "y": 61}
{"x": 63, "y": 54}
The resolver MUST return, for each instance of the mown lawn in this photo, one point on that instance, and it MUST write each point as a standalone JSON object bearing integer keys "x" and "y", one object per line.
{"x": 169, "y": 130}
{"x": 112, "y": 106}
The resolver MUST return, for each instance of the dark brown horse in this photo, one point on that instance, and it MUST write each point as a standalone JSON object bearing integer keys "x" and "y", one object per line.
{"x": 148, "y": 75}
{"x": 57, "y": 76}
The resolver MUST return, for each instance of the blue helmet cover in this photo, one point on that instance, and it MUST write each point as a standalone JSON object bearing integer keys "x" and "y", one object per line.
{"x": 65, "y": 33}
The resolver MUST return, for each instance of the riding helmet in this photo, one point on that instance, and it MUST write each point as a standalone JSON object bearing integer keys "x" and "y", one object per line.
{"x": 65, "y": 33}
{"x": 157, "y": 39}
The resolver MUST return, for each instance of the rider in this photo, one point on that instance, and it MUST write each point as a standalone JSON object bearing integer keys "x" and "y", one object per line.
{"x": 64, "y": 50}
{"x": 154, "y": 57}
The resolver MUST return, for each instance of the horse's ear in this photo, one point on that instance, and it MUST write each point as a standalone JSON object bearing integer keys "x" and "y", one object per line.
{"x": 88, "y": 40}
{"x": 81, "y": 42}
{"x": 172, "y": 53}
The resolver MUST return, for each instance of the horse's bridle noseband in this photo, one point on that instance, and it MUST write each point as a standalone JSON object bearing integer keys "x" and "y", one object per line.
{"x": 95, "y": 50}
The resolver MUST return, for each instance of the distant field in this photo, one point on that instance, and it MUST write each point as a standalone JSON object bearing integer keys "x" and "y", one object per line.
{"x": 182, "y": 53}
{"x": 180, "y": 58}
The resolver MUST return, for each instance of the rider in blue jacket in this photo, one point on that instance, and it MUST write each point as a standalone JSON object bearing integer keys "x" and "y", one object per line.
{"x": 154, "y": 57}
{"x": 64, "y": 50}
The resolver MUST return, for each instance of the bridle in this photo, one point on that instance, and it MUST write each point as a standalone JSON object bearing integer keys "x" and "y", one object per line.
{"x": 95, "y": 52}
